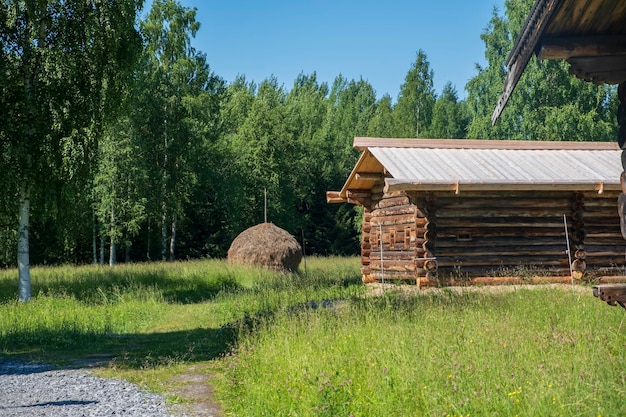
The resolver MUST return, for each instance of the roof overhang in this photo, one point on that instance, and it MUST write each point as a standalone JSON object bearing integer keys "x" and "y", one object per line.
{"x": 589, "y": 34}
{"x": 370, "y": 170}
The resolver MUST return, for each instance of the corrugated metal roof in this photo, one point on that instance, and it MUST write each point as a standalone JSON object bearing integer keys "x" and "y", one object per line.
{"x": 502, "y": 166}
{"x": 477, "y": 165}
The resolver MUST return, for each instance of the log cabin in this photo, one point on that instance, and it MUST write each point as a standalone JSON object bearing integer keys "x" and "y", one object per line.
{"x": 591, "y": 36}
{"x": 440, "y": 212}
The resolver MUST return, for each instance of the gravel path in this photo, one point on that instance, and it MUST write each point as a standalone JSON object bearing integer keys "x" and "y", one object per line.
{"x": 33, "y": 390}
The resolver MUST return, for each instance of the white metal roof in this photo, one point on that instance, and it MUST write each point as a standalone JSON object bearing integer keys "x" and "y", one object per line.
{"x": 457, "y": 165}
{"x": 500, "y": 165}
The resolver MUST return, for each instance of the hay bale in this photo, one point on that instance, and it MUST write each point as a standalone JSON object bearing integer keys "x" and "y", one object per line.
{"x": 268, "y": 246}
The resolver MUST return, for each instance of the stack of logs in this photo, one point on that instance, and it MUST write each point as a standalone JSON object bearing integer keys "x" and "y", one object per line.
{"x": 398, "y": 237}
{"x": 578, "y": 237}
{"x": 621, "y": 139}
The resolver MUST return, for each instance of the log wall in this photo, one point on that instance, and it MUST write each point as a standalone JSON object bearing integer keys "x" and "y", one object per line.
{"x": 438, "y": 237}
{"x": 393, "y": 230}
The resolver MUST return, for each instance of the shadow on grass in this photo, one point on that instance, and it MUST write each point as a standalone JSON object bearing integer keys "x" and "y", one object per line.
{"x": 67, "y": 350}
{"x": 98, "y": 287}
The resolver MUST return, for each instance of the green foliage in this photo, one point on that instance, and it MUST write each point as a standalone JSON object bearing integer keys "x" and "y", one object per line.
{"x": 174, "y": 161}
{"x": 547, "y": 104}
{"x": 450, "y": 116}
{"x": 414, "y": 111}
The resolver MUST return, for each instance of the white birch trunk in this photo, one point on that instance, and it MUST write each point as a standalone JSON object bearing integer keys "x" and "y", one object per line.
{"x": 23, "y": 246}
{"x": 164, "y": 232}
{"x": 112, "y": 253}
{"x": 94, "y": 239}
{"x": 173, "y": 238}
{"x": 101, "y": 250}
{"x": 149, "y": 239}
{"x": 113, "y": 249}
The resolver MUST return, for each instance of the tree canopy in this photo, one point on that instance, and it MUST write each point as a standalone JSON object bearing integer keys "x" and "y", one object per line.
{"x": 117, "y": 136}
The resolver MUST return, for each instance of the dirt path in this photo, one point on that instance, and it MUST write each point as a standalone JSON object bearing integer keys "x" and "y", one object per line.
{"x": 194, "y": 387}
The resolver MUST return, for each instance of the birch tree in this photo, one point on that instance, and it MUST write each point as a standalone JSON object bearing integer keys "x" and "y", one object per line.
{"x": 64, "y": 62}
{"x": 178, "y": 75}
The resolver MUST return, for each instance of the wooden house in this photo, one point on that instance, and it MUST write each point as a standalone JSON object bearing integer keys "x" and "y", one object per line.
{"x": 439, "y": 211}
{"x": 591, "y": 36}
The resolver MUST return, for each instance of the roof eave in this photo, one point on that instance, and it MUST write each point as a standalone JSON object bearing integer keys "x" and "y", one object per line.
{"x": 525, "y": 45}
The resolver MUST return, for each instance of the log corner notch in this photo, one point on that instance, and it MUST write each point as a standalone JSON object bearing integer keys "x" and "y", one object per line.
{"x": 612, "y": 294}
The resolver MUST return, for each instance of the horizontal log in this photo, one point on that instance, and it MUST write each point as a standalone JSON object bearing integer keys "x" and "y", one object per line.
{"x": 394, "y": 194}
{"x": 369, "y": 176}
{"x": 560, "y": 250}
{"x": 452, "y": 232}
{"x": 403, "y": 219}
{"x": 391, "y": 202}
{"x": 605, "y": 262}
{"x": 609, "y": 241}
{"x": 399, "y": 246}
{"x": 482, "y": 281}
{"x": 393, "y": 275}
{"x": 495, "y": 261}
{"x": 500, "y": 242}
{"x": 502, "y": 222}
{"x": 608, "y": 221}
{"x": 359, "y": 194}
{"x": 619, "y": 249}
{"x": 393, "y": 265}
{"x": 504, "y": 270}
{"x": 408, "y": 255}
{"x": 395, "y": 210}
{"x": 505, "y": 212}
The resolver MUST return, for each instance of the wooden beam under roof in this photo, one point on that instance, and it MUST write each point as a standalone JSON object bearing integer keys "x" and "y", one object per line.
{"x": 565, "y": 47}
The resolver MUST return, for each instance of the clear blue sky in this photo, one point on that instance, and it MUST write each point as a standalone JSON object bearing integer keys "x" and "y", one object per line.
{"x": 376, "y": 40}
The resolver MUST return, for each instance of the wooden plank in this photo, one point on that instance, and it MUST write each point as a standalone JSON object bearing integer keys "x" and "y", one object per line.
{"x": 578, "y": 46}
{"x": 613, "y": 294}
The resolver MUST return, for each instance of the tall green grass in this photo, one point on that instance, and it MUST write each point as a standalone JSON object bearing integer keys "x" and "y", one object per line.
{"x": 523, "y": 353}
{"x": 316, "y": 344}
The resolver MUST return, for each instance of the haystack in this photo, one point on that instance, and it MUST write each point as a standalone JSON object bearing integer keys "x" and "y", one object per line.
{"x": 268, "y": 246}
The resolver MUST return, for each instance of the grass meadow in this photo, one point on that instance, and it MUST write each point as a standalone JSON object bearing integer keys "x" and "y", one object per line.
{"x": 319, "y": 343}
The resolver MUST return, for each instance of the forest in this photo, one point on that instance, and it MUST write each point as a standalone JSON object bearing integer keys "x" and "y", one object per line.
{"x": 119, "y": 143}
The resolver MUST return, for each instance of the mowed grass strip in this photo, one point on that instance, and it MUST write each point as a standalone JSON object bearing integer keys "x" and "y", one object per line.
{"x": 315, "y": 343}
